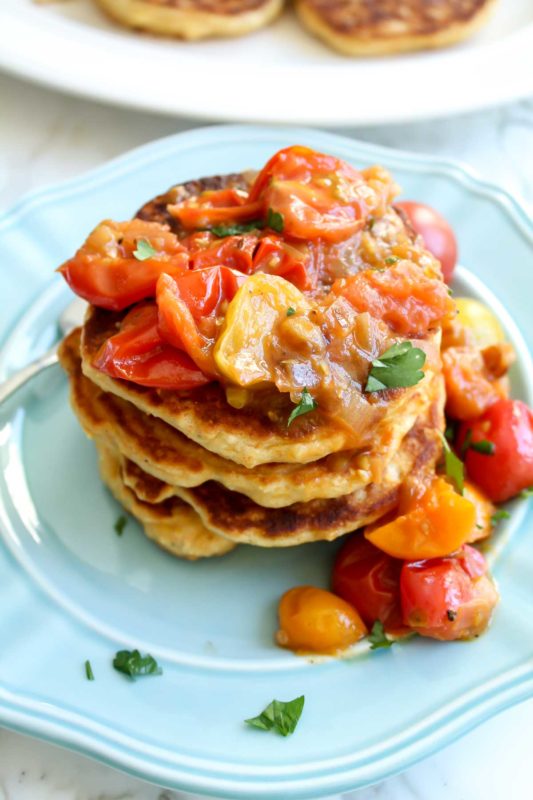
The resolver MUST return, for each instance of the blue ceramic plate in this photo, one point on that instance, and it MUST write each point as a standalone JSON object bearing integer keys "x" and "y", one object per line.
{"x": 71, "y": 590}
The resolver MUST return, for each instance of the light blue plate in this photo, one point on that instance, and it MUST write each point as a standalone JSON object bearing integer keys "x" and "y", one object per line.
{"x": 71, "y": 590}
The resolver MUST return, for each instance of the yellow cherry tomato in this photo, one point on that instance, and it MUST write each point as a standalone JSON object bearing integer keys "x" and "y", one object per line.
{"x": 313, "y": 620}
{"x": 484, "y": 511}
{"x": 480, "y": 321}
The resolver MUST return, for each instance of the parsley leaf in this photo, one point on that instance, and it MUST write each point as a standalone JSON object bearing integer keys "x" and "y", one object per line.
{"x": 280, "y": 716}
{"x": 89, "y": 671}
{"x": 120, "y": 524}
{"x": 400, "y": 365}
{"x": 144, "y": 250}
{"x": 525, "y": 493}
{"x": 132, "y": 663}
{"x": 291, "y": 311}
{"x": 499, "y": 515}
{"x": 454, "y": 467}
{"x": 275, "y": 220}
{"x": 234, "y": 229}
{"x": 483, "y": 446}
{"x": 451, "y": 430}
{"x": 377, "y": 636}
{"x": 391, "y": 259}
{"x": 306, "y": 404}
{"x": 466, "y": 443}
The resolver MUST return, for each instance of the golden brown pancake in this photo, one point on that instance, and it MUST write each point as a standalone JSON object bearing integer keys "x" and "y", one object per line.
{"x": 173, "y": 525}
{"x": 382, "y": 27}
{"x": 193, "y": 19}
{"x": 165, "y": 453}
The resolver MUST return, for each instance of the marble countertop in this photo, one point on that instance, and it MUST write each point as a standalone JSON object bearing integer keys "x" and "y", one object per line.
{"x": 45, "y": 137}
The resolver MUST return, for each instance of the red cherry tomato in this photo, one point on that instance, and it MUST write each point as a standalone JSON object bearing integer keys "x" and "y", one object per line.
{"x": 448, "y": 598}
{"x": 370, "y": 580}
{"x": 215, "y": 207}
{"x": 106, "y": 272}
{"x": 508, "y": 426}
{"x": 436, "y": 233}
{"x": 137, "y": 353}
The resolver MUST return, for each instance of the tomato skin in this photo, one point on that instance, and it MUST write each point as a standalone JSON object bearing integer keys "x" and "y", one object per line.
{"x": 436, "y": 232}
{"x": 448, "y": 598}
{"x": 137, "y": 353}
{"x": 508, "y": 424}
{"x": 215, "y": 207}
{"x": 105, "y": 272}
{"x": 369, "y": 580}
{"x": 235, "y": 252}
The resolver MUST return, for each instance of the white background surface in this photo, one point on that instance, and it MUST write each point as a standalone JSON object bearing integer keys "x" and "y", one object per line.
{"x": 44, "y": 137}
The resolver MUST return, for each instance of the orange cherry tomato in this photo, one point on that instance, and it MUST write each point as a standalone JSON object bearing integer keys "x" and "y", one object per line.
{"x": 318, "y": 196}
{"x": 369, "y": 580}
{"x": 471, "y": 388}
{"x": 105, "y": 271}
{"x": 448, "y": 598}
{"x": 438, "y": 523}
{"x": 212, "y": 208}
{"x": 316, "y": 621}
{"x": 437, "y": 234}
{"x": 137, "y": 353}
{"x": 484, "y": 511}
{"x": 402, "y": 296}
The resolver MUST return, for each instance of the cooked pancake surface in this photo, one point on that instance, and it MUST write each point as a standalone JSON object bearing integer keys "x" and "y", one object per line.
{"x": 193, "y": 19}
{"x": 361, "y": 27}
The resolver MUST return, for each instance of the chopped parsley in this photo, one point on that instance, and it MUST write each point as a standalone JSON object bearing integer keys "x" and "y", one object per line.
{"x": 499, "y": 515}
{"x": 391, "y": 260}
{"x": 235, "y": 228}
{"x": 306, "y": 404}
{"x": 466, "y": 442}
{"x": 132, "y": 663}
{"x": 526, "y": 493}
{"x": 144, "y": 250}
{"x": 450, "y": 431}
{"x": 275, "y": 220}
{"x": 279, "y": 716}
{"x": 291, "y": 311}
{"x": 89, "y": 671}
{"x": 484, "y": 446}
{"x": 377, "y": 636}
{"x": 120, "y": 524}
{"x": 400, "y": 365}
{"x": 451, "y": 614}
{"x": 453, "y": 467}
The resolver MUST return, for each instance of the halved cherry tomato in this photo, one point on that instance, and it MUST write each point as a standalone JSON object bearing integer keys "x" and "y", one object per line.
{"x": 471, "y": 385}
{"x": 214, "y": 208}
{"x": 401, "y": 295}
{"x": 137, "y": 353}
{"x": 436, "y": 524}
{"x": 437, "y": 234}
{"x": 448, "y": 598}
{"x": 190, "y": 307}
{"x": 484, "y": 511}
{"x": 316, "y": 621}
{"x": 318, "y": 196}
{"x": 105, "y": 272}
{"x": 369, "y": 580}
{"x": 275, "y": 257}
{"x": 508, "y": 427}
{"x": 235, "y": 252}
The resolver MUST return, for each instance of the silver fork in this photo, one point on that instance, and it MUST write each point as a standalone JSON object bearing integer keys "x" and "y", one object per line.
{"x": 70, "y": 318}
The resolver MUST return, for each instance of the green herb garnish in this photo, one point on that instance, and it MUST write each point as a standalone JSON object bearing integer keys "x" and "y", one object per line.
{"x": 132, "y": 663}
{"x": 89, "y": 671}
{"x": 451, "y": 614}
{"x": 306, "y": 404}
{"x": 483, "y": 446}
{"x": 526, "y": 493}
{"x": 466, "y": 442}
{"x": 499, "y": 515}
{"x": 400, "y": 365}
{"x": 377, "y": 636}
{"x": 450, "y": 431}
{"x": 144, "y": 250}
{"x": 120, "y": 524}
{"x": 291, "y": 311}
{"x": 391, "y": 259}
{"x": 454, "y": 467}
{"x": 275, "y": 220}
{"x": 280, "y": 716}
{"x": 236, "y": 228}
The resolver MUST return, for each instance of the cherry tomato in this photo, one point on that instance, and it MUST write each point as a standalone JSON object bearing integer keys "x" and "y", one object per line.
{"x": 484, "y": 511}
{"x": 448, "y": 598}
{"x": 212, "y": 208}
{"x": 437, "y": 234}
{"x": 369, "y": 580}
{"x": 508, "y": 428}
{"x": 471, "y": 387}
{"x": 137, "y": 353}
{"x": 482, "y": 323}
{"x": 105, "y": 271}
{"x": 318, "y": 196}
{"x": 316, "y": 621}
{"x": 275, "y": 257}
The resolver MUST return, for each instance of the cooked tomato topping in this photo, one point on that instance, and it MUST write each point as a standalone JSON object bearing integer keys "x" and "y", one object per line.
{"x": 106, "y": 272}
{"x": 499, "y": 456}
{"x": 138, "y": 353}
{"x": 448, "y": 598}
{"x": 211, "y": 208}
{"x": 316, "y": 621}
{"x": 401, "y": 295}
{"x": 474, "y": 378}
